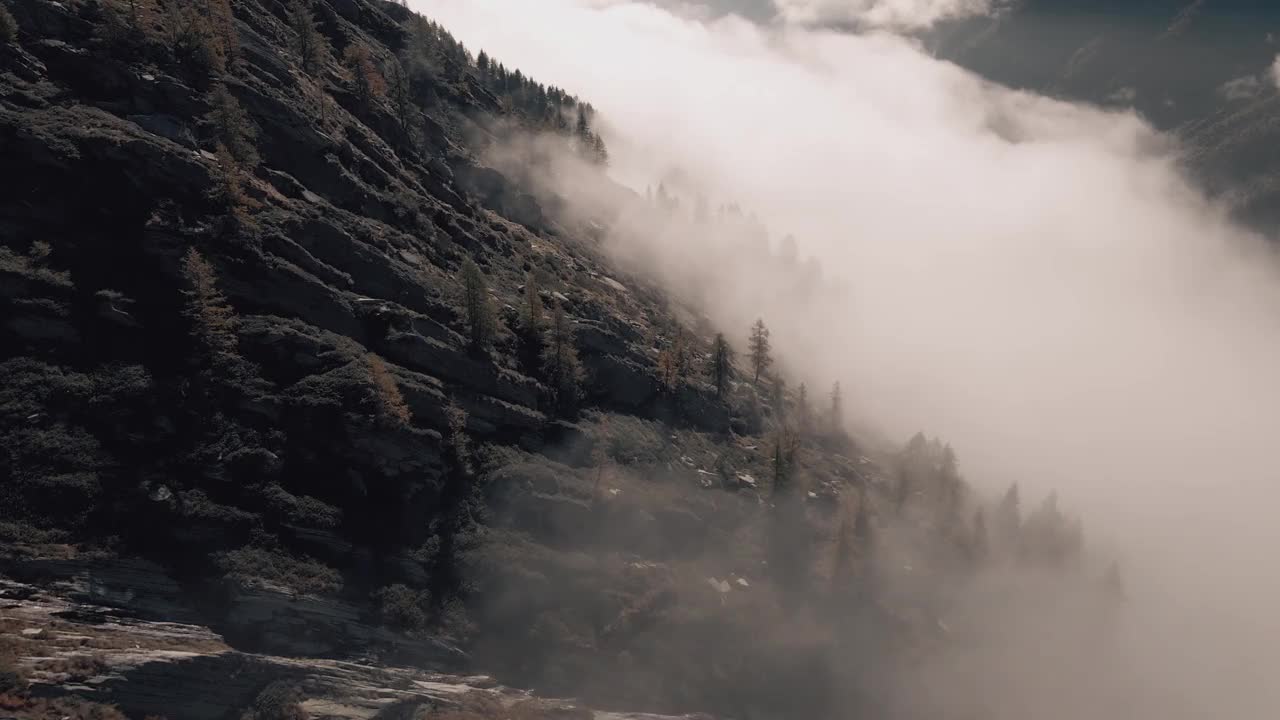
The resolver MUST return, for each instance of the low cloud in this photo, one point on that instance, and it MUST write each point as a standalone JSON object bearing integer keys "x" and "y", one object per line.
{"x": 1244, "y": 88}
{"x": 1032, "y": 280}
{"x": 900, "y": 14}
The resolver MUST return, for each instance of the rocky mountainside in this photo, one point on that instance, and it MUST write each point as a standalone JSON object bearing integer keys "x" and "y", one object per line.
{"x": 1199, "y": 68}
{"x": 300, "y": 392}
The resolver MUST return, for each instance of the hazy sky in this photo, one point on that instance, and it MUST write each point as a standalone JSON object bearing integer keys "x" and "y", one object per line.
{"x": 1032, "y": 280}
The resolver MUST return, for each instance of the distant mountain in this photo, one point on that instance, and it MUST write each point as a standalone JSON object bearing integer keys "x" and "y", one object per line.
{"x": 1198, "y": 68}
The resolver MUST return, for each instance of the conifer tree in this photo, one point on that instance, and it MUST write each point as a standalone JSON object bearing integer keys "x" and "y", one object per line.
{"x": 307, "y": 40}
{"x": 478, "y": 306}
{"x": 532, "y": 317}
{"x": 1008, "y": 517}
{"x": 721, "y": 368}
{"x": 222, "y": 23}
{"x": 672, "y": 363}
{"x": 213, "y": 320}
{"x": 232, "y": 127}
{"x": 560, "y": 364}
{"x": 758, "y": 344}
{"x": 369, "y": 83}
{"x": 402, "y": 99}
{"x": 803, "y": 412}
{"x": 837, "y": 409}
{"x": 980, "y": 540}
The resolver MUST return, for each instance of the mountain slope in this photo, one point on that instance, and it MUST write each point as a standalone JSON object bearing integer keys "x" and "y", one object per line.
{"x": 246, "y": 250}
{"x": 1198, "y": 68}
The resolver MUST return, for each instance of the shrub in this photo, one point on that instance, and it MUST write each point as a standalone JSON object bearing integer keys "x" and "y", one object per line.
{"x": 278, "y": 701}
{"x": 255, "y": 564}
{"x": 402, "y": 607}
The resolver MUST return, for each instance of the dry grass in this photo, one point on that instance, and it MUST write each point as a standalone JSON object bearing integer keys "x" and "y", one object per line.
{"x": 75, "y": 667}
{"x": 388, "y": 393}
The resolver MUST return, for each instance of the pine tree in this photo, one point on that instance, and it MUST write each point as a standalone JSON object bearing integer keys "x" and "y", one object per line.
{"x": 1008, "y": 517}
{"x": 532, "y": 317}
{"x": 721, "y": 368}
{"x": 980, "y": 540}
{"x": 785, "y": 447}
{"x": 213, "y": 321}
{"x": 478, "y": 306}
{"x": 307, "y": 40}
{"x": 221, "y": 22}
{"x": 758, "y": 344}
{"x": 803, "y": 413}
{"x": 673, "y": 363}
{"x": 560, "y": 363}
{"x": 402, "y": 99}
{"x": 369, "y": 83}
{"x": 837, "y": 409}
{"x": 457, "y": 442}
{"x": 231, "y": 125}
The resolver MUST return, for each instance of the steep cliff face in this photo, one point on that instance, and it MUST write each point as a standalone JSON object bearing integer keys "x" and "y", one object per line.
{"x": 242, "y": 388}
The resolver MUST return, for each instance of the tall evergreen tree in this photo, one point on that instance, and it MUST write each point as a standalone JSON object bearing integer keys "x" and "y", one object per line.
{"x": 307, "y": 40}
{"x": 837, "y": 408}
{"x": 232, "y": 126}
{"x": 803, "y": 412}
{"x": 721, "y": 369}
{"x": 560, "y": 364}
{"x": 980, "y": 540}
{"x": 758, "y": 344}
{"x": 478, "y": 306}
{"x": 1008, "y": 516}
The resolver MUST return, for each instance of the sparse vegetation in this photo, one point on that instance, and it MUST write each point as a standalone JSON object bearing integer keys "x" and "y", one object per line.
{"x": 404, "y": 608}
{"x": 277, "y": 701}
{"x": 255, "y": 565}
{"x": 390, "y": 401}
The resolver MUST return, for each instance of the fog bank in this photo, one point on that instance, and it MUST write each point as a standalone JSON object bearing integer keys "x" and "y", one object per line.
{"x": 1032, "y": 280}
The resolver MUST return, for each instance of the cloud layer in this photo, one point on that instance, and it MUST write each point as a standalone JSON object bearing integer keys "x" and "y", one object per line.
{"x": 903, "y": 14}
{"x": 1031, "y": 280}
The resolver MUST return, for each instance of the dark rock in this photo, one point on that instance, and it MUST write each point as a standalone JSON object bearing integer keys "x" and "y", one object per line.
{"x": 167, "y": 127}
